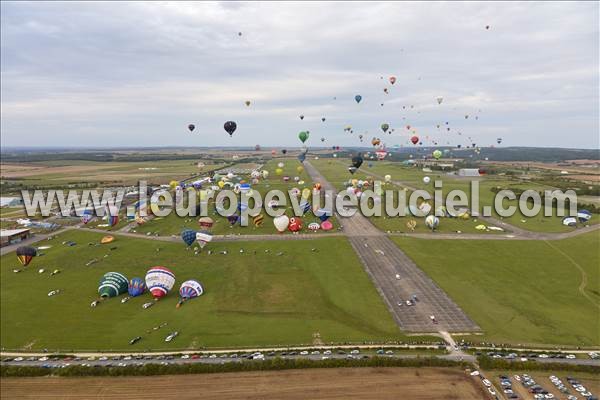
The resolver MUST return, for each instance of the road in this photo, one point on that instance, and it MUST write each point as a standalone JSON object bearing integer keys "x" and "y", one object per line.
{"x": 384, "y": 261}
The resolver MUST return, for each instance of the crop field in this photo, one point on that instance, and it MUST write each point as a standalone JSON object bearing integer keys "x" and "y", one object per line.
{"x": 341, "y": 383}
{"x": 335, "y": 171}
{"x": 272, "y": 293}
{"x": 519, "y": 292}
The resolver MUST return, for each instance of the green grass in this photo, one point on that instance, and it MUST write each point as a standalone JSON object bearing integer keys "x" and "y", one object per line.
{"x": 335, "y": 171}
{"x": 519, "y": 292}
{"x": 251, "y": 299}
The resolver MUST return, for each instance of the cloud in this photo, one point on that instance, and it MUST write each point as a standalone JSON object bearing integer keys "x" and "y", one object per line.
{"x": 135, "y": 72}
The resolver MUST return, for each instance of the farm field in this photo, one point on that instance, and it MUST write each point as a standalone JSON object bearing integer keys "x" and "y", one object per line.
{"x": 330, "y": 383}
{"x": 274, "y": 293}
{"x": 519, "y": 292}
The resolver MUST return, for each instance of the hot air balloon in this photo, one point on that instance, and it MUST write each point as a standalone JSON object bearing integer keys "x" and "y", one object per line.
{"x": 206, "y": 222}
{"x": 230, "y": 127}
{"x": 414, "y": 139}
{"x": 258, "y": 220}
{"x": 432, "y": 222}
{"x": 303, "y": 136}
{"x": 385, "y": 127}
{"x": 584, "y": 216}
{"x": 112, "y": 215}
{"x": 357, "y": 160}
{"x": 112, "y": 284}
{"x": 247, "y": 102}
{"x": 385, "y": 90}
{"x": 191, "y": 127}
{"x": 284, "y": 151}
{"x": 358, "y": 98}
{"x": 281, "y": 223}
{"x": 203, "y": 237}
{"x": 392, "y": 79}
{"x": 322, "y": 139}
{"x": 387, "y": 178}
{"x": 375, "y": 141}
{"x": 25, "y": 254}
{"x": 326, "y": 225}
{"x": 136, "y": 287}
{"x": 87, "y": 216}
{"x": 301, "y": 157}
{"x": 160, "y": 281}
{"x": 569, "y": 221}
{"x": 499, "y": 140}
{"x": 301, "y": 117}
{"x": 295, "y": 224}
{"x": 439, "y": 99}
{"x": 437, "y": 154}
{"x": 189, "y": 290}
{"x": 188, "y": 236}
{"x": 323, "y": 119}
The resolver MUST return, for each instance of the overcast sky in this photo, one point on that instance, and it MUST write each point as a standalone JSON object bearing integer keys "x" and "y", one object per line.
{"x": 126, "y": 74}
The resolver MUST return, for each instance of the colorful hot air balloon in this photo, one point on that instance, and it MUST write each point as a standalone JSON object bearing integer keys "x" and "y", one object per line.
{"x": 188, "y": 236}
{"x": 385, "y": 127}
{"x": 160, "y": 281}
{"x": 190, "y": 289}
{"x": 295, "y": 224}
{"x": 569, "y": 221}
{"x": 392, "y": 79}
{"x": 191, "y": 127}
{"x": 303, "y": 136}
{"x": 87, "y": 216}
{"x": 281, "y": 223}
{"x": 357, "y": 161}
{"x": 258, "y": 220}
{"x": 136, "y": 287}
{"x": 358, "y": 98}
{"x": 112, "y": 284}
{"x": 230, "y": 127}
{"x": 203, "y": 237}
{"x": 112, "y": 215}
{"x": 25, "y": 254}
{"x": 437, "y": 154}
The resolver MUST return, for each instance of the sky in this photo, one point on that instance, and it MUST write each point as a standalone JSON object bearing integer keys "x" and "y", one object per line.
{"x": 136, "y": 74}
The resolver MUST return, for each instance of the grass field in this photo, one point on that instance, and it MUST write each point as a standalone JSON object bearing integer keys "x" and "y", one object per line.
{"x": 335, "y": 171}
{"x": 173, "y": 224}
{"x": 346, "y": 383}
{"x": 520, "y": 292}
{"x": 251, "y": 299}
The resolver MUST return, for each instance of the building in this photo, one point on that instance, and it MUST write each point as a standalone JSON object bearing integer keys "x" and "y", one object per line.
{"x": 468, "y": 172}
{"x": 11, "y": 201}
{"x": 12, "y": 236}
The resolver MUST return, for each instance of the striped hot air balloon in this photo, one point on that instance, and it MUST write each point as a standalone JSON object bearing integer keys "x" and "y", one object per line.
{"x": 112, "y": 284}
{"x": 136, "y": 287}
{"x": 189, "y": 290}
{"x": 160, "y": 281}
{"x": 203, "y": 237}
{"x": 258, "y": 220}
{"x": 25, "y": 254}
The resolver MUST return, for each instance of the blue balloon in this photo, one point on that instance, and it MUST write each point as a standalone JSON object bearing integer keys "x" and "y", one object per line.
{"x": 584, "y": 216}
{"x": 358, "y": 98}
{"x": 233, "y": 219}
{"x": 136, "y": 287}
{"x": 188, "y": 236}
{"x": 302, "y": 157}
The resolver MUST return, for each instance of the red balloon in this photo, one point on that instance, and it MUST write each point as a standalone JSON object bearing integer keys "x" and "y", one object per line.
{"x": 414, "y": 139}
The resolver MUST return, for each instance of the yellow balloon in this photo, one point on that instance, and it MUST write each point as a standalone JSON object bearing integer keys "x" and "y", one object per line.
{"x": 305, "y": 193}
{"x": 300, "y": 168}
{"x": 221, "y": 184}
{"x": 354, "y": 182}
{"x": 279, "y": 171}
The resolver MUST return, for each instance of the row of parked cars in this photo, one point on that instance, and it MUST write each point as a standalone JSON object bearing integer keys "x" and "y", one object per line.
{"x": 527, "y": 356}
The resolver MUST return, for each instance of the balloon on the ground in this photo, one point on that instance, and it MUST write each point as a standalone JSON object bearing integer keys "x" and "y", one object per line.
{"x": 569, "y": 221}
{"x": 432, "y": 222}
{"x": 159, "y": 281}
{"x": 107, "y": 239}
{"x": 136, "y": 287}
{"x": 188, "y": 236}
{"x": 190, "y": 289}
{"x": 281, "y": 223}
{"x": 203, "y": 237}
{"x": 25, "y": 254}
{"x": 326, "y": 225}
{"x": 87, "y": 216}
{"x": 584, "y": 216}
{"x": 112, "y": 284}
{"x": 206, "y": 222}
{"x": 426, "y": 179}
{"x": 295, "y": 224}
{"x": 258, "y": 220}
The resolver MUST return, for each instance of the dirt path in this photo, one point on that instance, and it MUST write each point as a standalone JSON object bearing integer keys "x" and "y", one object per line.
{"x": 343, "y": 383}
{"x": 584, "y": 277}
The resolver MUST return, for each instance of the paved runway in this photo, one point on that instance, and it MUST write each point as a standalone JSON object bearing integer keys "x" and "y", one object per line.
{"x": 383, "y": 260}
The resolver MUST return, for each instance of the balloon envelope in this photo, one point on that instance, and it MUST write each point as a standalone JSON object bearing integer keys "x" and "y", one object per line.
{"x": 112, "y": 284}
{"x": 160, "y": 281}
{"x": 136, "y": 287}
{"x": 190, "y": 289}
{"x": 230, "y": 127}
{"x": 281, "y": 223}
{"x": 25, "y": 254}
